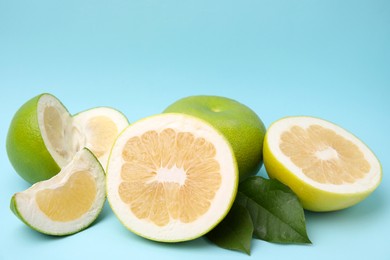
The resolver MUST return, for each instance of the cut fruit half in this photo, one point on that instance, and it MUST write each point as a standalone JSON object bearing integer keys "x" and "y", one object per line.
{"x": 326, "y": 166}
{"x": 68, "y": 202}
{"x": 43, "y": 137}
{"x": 171, "y": 177}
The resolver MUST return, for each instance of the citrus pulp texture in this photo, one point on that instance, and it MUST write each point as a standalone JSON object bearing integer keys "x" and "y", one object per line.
{"x": 171, "y": 177}
{"x": 326, "y": 166}
{"x": 68, "y": 202}
{"x": 238, "y": 123}
{"x": 43, "y": 137}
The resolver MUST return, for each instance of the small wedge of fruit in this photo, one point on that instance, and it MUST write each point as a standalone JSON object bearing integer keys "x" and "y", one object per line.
{"x": 68, "y": 202}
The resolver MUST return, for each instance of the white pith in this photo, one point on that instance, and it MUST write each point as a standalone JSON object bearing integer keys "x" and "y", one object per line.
{"x": 74, "y": 135}
{"x": 174, "y": 174}
{"x": 369, "y": 182}
{"x": 29, "y": 210}
{"x": 69, "y": 141}
{"x": 175, "y": 230}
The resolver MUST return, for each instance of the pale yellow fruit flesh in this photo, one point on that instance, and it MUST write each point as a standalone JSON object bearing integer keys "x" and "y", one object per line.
{"x": 103, "y": 133}
{"x": 70, "y": 201}
{"x": 169, "y": 175}
{"x": 323, "y": 155}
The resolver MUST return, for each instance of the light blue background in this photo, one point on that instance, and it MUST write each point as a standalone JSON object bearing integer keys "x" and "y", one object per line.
{"x": 329, "y": 59}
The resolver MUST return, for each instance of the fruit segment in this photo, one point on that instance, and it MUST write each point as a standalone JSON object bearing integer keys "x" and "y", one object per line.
{"x": 66, "y": 203}
{"x": 69, "y": 201}
{"x": 103, "y": 133}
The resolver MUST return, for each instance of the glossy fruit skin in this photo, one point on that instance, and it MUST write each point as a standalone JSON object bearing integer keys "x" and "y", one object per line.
{"x": 25, "y": 147}
{"x": 241, "y": 126}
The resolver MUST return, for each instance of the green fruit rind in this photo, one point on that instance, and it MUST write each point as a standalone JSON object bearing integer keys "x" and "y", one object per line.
{"x": 16, "y": 212}
{"x": 25, "y": 145}
{"x": 14, "y": 208}
{"x": 235, "y": 121}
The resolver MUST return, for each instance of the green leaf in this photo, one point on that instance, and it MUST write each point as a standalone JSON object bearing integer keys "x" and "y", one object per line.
{"x": 234, "y": 231}
{"x": 276, "y": 212}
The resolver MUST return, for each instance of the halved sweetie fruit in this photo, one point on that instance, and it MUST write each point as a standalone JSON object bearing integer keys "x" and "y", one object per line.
{"x": 68, "y": 202}
{"x": 43, "y": 136}
{"x": 326, "y": 166}
{"x": 171, "y": 177}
